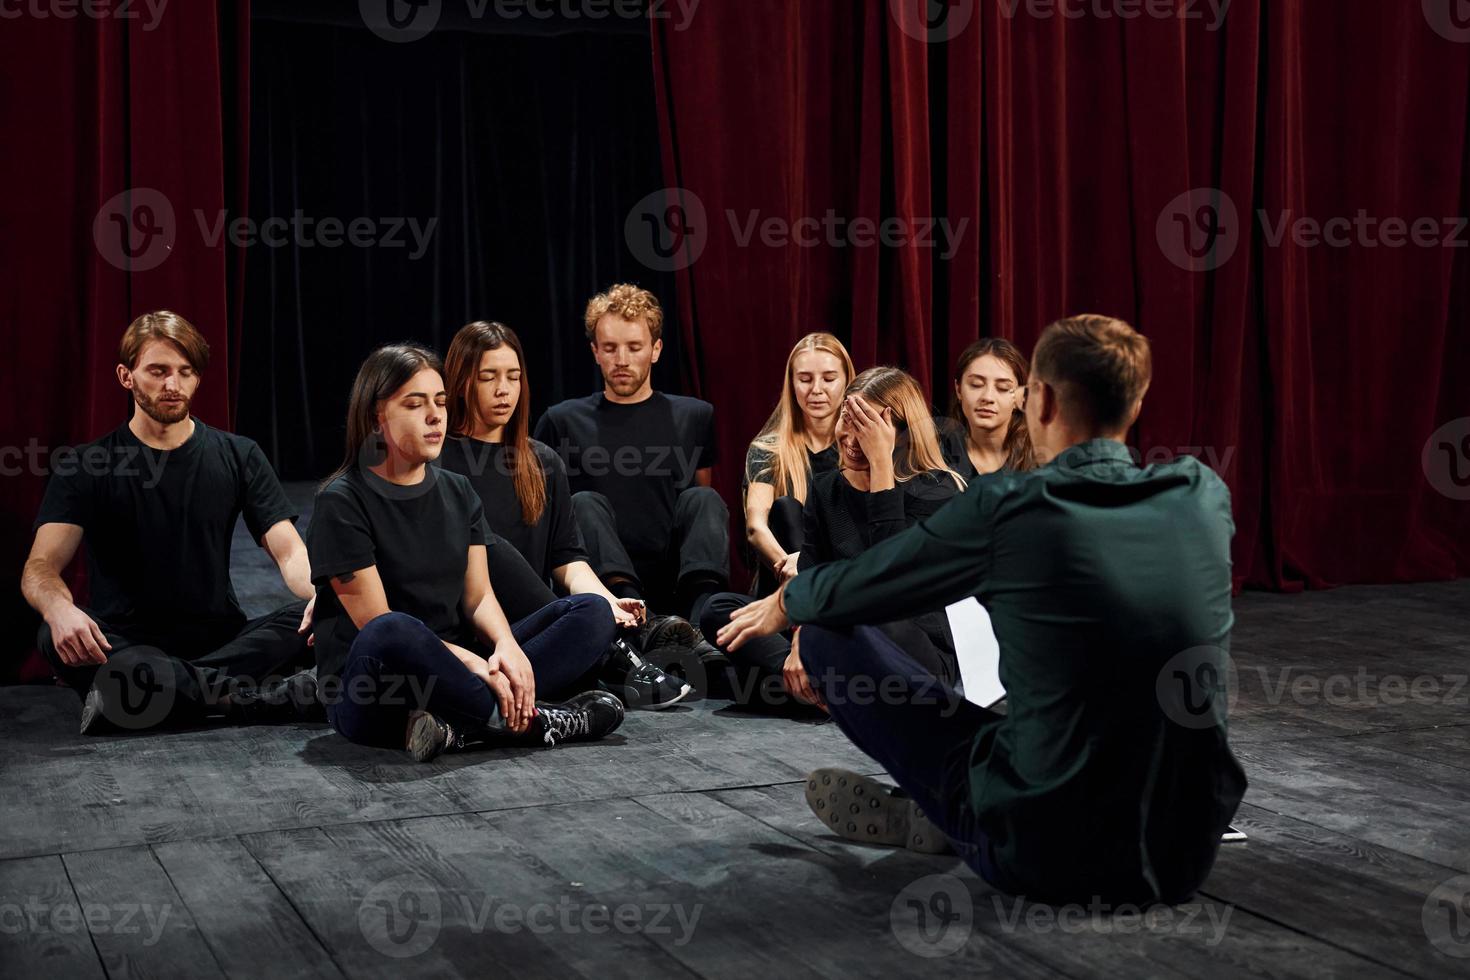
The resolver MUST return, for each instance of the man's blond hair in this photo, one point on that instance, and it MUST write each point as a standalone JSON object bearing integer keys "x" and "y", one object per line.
{"x": 1103, "y": 364}
{"x": 629, "y": 302}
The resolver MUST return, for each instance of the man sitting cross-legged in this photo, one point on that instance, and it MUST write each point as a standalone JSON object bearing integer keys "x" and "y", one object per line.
{"x": 1109, "y": 589}
{"x": 163, "y": 640}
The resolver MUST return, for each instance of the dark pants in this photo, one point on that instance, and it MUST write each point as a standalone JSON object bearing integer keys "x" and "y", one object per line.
{"x": 179, "y": 682}
{"x": 518, "y": 589}
{"x": 757, "y": 665}
{"x": 396, "y": 664}
{"x": 789, "y": 528}
{"x": 917, "y": 727}
{"x": 699, "y": 544}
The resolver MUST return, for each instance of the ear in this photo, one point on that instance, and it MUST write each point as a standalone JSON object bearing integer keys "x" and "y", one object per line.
{"x": 658, "y": 349}
{"x": 125, "y": 377}
{"x": 1049, "y": 408}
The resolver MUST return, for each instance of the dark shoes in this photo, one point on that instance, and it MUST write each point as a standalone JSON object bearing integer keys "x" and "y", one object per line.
{"x": 583, "y": 717}
{"x": 864, "y": 810}
{"x": 676, "y": 645}
{"x": 639, "y": 683}
{"x": 428, "y": 737}
{"x": 292, "y": 698}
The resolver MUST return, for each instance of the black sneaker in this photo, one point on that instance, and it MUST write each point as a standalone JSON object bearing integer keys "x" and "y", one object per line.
{"x": 292, "y": 698}
{"x": 667, "y": 640}
{"x": 638, "y": 683}
{"x": 864, "y": 810}
{"x": 716, "y": 677}
{"x": 428, "y": 737}
{"x": 583, "y": 717}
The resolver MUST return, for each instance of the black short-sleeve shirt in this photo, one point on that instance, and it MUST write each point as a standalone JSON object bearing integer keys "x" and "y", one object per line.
{"x": 553, "y": 541}
{"x": 639, "y": 456}
{"x": 758, "y": 463}
{"x": 418, "y": 537}
{"x": 157, "y": 527}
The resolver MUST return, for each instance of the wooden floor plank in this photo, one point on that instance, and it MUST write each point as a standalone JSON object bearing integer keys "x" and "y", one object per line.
{"x": 43, "y": 926}
{"x": 143, "y": 927}
{"x": 249, "y": 924}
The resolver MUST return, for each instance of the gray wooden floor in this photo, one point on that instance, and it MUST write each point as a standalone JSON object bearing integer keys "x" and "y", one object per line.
{"x": 682, "y": 846}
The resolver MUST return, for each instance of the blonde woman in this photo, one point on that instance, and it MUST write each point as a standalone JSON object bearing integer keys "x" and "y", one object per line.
{"x": 796, "y": 444}
{"x": 891, "y": 475}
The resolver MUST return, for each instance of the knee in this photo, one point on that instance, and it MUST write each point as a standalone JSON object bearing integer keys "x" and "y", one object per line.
{"x": 717, "y": 612}
{"x": 822, "y": 650}
{"x": 594, "y": 617}
{"x": 701, "y": 501}
{"x": 590, "y": 503}
{"x": 392, "y": 629}
{"x": 786, "y": 512}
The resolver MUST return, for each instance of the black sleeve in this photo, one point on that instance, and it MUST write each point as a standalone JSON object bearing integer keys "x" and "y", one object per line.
{"x": 262, "y": 500}
{"x": 564, "y": 541}
{"x": 926, "y": 494}
{"x": 480, "y": 532}
{"x": 340, "y": 538}
{"x": 68, "y": 500}
{"x": 812, "y": 552}
{"x": 546, "y": 431}
{"x": 708, "y": 442}
{"x": 886, "y": 515}
{"x": 758, "y": 465}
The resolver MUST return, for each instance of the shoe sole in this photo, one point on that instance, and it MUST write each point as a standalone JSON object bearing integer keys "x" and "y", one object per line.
{"x": 633, "y": 704}
{"x": 92, "y": 714}
{"x": 425, "y": 740}
{"x": 860, "y": 809}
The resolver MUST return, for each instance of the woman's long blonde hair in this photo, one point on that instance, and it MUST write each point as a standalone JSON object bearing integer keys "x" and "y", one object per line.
{"x": 784, "y": 434}
{"x": 916, "y": 450}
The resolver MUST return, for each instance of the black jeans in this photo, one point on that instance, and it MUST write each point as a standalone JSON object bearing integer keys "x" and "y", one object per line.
{"x": 396, "y": 664}
{"x": 787, "y": 525}
{"x": 916, "y": 726}
{"x": 518, "y": 589}
{"x": 758, "y": 664}
{"x": 699, "y": 544}
{"x": 177, "y": 682}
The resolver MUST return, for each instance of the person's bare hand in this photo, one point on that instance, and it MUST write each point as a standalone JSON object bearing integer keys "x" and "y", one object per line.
{"x": 764, "y": 617}
{"x": 509, "y": 660}
{"x": 794, "y": 675}
{"x": 786, "y": 568}
{"x": 78, "y": 639}
{"x": 873, "y": 428}
{"x": 306, "y": 618}
{"x": 629, "y": 613}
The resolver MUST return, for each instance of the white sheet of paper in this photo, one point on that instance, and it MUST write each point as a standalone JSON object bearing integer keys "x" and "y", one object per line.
{"x": 978, "y": 651}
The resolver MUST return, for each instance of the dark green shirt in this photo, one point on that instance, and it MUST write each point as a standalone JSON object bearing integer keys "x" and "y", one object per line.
{"x": 1109, "y": 590}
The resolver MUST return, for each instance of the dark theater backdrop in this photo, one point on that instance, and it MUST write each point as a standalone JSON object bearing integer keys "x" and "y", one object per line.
{"x": 1066, "y": 151}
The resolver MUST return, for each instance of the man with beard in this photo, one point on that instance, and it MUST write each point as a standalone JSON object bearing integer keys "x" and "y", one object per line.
{"x": 638, "y": 463}
{"x": 163, "y": 640}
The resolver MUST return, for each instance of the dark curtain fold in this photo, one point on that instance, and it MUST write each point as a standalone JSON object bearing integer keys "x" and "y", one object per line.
{"x": 1312, "y": 377}
{"x": 518, "y": 156}
{"x": 119, "y": 132}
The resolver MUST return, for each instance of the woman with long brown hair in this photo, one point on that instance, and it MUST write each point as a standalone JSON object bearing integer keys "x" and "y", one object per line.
{"x": 891, "y": 476}
{"x": 522, "y": 484}
{"x": 797, "y": 443}
{"x": 989, "y": 395}
{"x": 397, "y": 550}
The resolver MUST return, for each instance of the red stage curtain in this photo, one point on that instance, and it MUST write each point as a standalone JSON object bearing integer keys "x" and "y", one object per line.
{"x": 93, "y": 107}
{"x": 1312, "y": 376}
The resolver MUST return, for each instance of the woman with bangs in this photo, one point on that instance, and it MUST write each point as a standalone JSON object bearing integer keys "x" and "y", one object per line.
{"x": 797, "y": 444}
{"x": 891, "y": 475}
{"x": 522, "y": 484}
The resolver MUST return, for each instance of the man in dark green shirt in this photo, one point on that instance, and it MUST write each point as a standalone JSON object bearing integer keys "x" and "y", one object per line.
{"x": 1110, "y": 778}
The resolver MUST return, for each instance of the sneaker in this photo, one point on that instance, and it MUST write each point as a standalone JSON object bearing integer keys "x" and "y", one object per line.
{"x": 292, "y": 698}
{"x": 666, "y": 640}
{"x": 718, "y": 677}
{"x": 861, "y": 809}
{"x": 638, "y": 683}
{"x": 428, "y": 737}
{"x": 583, "y": 717}
{"x": 94, "y": 722}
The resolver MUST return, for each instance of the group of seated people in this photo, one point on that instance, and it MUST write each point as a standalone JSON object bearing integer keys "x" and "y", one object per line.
{"x": 464, "y": 584}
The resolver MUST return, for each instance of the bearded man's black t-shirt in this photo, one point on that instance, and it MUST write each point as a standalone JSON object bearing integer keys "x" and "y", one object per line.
{"x": 156, "y": 529}
{"x": 639, "y": 456}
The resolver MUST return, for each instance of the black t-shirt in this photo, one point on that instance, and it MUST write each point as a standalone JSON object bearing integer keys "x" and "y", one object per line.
{"x": 639, "y": 456}
{"x": 553, "y": 541}
{"x": 157, "y": 528}
{"x": 758, "y": 465}
{"x": 418, "y": 537}
{"x": 954, "y": 444}
{"x": 842, "y": 521}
